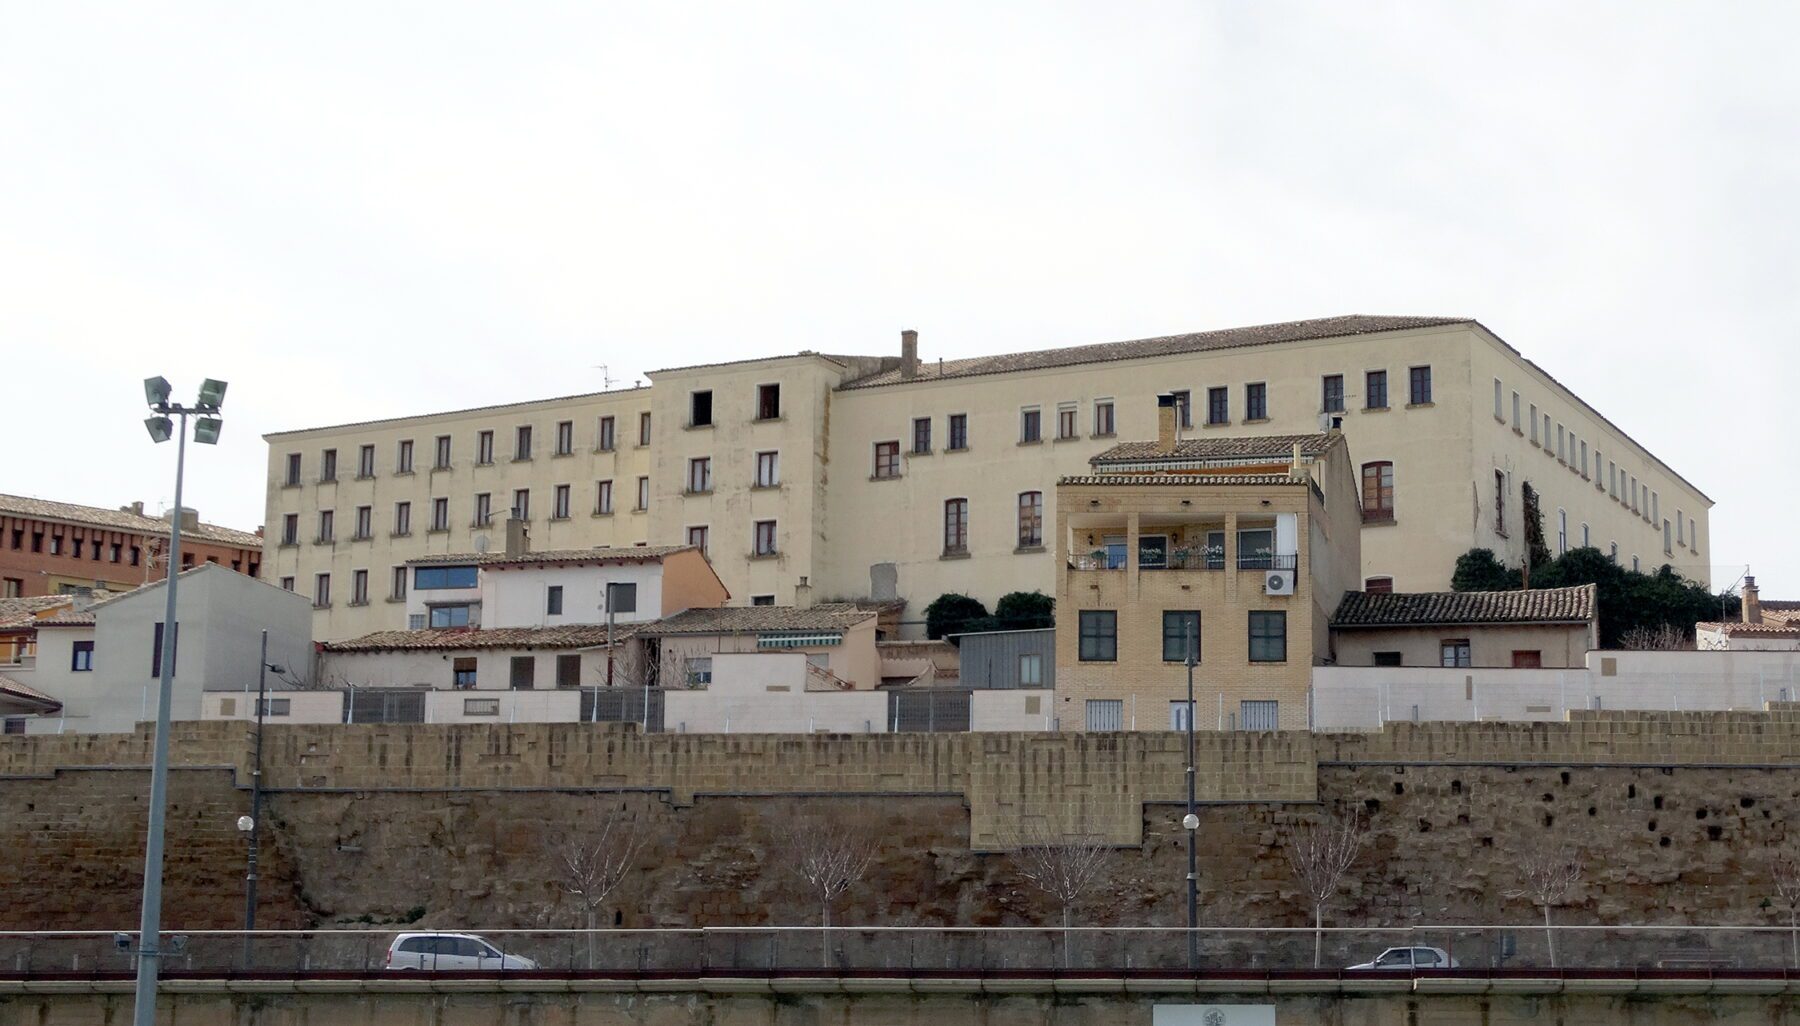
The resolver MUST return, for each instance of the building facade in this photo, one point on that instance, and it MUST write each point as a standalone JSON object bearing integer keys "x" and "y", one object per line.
{"x": 1234, "y": 549}
{"x": 51, "y": 548}
{"x": 1546, "y": 628}
{"x": 880, "y": 477}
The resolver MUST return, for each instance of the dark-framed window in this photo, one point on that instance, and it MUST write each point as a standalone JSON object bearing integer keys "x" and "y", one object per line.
{"x": 565, "y": 437}
{"x": 1378, "y": 490}
{"x": 768, "y": 402}
{"x": 887, "y": 459}
{"x": 442, "y": 457}
{"x": 462, "y": 672}
{"x": 1030, "y": 425}
{"x": 1099, "y": 636}
{"x": 484, "y": 447}
{"x": 1031, "y": 519}
{"x": 765, "y": 538}
{"x": 293, "y": 468}
{"x": 484, "y": 509}
{"x": 1375, "y": 390}
{"x": 1256, "y": 401}
{"x": 605, "y": 438}
{"x": 553, "y": 600}
{"x": 568, "y": 671}
{"x": 1387, "y": 659}
{"x": 435, "y": 578}
{"x": 700, "y": 408}
{"x": 1419, "y": 382}
{"x": 1103, "y": 418}
{"x": 1454, "y": 652}
{"x": 1268, "y": 635}
{"x": 1178, "y": 626}
{"x": 523, "y": 673}
{"x": 1378, "y": 585}
{"x": 365, "y": 461}
{"x": 956, "y": 525}
{"x": 1184, "y": 407}
{"x": 156, "y": 644}
{"x": 958, "y": 432}
{"x": 1218, "y": 405}
{"x": 522, "y": 443}
{"x": 1332, "y": 398}
{"x": 921, "y": 435}
{"x": 403, "y": 458}
{"x": 81, "y": 657}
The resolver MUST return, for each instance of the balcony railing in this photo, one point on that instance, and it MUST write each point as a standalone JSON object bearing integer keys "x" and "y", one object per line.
{"x": 1185, "y": 559}
{"x": 1267, "y": 561}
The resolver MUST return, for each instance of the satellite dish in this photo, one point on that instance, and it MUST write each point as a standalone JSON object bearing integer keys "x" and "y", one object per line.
{"x": 481, "y": 543}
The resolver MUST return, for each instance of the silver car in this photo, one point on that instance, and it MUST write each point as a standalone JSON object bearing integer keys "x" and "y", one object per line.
{"x": 433, "y": 952}
{"x": 1407, "y": 959}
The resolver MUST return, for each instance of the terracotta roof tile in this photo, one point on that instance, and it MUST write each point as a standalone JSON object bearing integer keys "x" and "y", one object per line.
{"x": 25, "y": 693}
{"x": 1191, "y": 480}
{"x": 1403, "y": 609}
{"x": 1768, "y": 628}
{"x": 1164, "y": 345}
{"x": 24, "y": 612}
{"x": 551, "y": 557}
{"x": 1235, "y": 447}
{"x": 571, "y": 636}
{"x": 122, "y": 520}
{"x": 834, "y": 616}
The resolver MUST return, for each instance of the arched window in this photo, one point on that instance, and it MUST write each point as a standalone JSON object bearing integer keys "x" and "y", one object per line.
{"x": 1031, "y": 519}
{"x": 956, "y": 526}
{"x": 1378, "y": 491}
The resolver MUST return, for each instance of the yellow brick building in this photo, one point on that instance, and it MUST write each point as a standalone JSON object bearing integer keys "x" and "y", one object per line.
{"x": 1247, "y": 543}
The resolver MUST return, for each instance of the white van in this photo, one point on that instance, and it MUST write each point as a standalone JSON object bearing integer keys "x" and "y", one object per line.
{"x": 434, "y": 952}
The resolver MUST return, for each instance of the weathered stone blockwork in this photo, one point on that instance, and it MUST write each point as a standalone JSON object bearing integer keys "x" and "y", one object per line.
{"x": 1675, "y": 814}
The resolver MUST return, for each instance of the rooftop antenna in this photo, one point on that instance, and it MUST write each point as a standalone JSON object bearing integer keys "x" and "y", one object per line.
{"x": 606, "y": 378}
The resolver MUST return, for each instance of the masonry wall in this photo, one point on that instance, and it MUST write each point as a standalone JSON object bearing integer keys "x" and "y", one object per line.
{"x": 458, "y": 825}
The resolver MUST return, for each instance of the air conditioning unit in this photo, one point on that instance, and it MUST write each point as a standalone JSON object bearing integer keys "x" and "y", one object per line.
{"x": 1278, "y": 582}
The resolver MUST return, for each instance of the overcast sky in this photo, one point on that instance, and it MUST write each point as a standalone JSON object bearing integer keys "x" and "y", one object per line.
{"x": 363, "y": 211}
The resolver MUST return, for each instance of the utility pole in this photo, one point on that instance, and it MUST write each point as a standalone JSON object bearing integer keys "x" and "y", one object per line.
{"x": 1192, "y": 820}
{"x": 262, "y": 702}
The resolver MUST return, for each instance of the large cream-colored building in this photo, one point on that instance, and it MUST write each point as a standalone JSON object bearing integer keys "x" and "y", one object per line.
{"x": 819, "y": 476}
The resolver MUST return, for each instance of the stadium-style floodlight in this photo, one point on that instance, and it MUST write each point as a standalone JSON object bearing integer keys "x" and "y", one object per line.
{"x": 162, "y": 427}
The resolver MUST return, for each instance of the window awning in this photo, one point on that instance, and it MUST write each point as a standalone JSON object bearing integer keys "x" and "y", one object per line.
{"x": 797, "y": 640}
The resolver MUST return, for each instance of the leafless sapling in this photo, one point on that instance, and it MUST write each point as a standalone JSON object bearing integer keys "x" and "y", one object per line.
{"x": 1547, "y": 875}
{"x": 828, "y": 855}
{"x": 593, "y": 857}
{"x": 1784, "y": 874}
{"x": 1065, "y": 868}
{"x": 1320, "y": 852}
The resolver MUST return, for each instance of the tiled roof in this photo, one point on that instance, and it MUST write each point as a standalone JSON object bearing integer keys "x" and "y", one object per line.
{"x": 1403, "y": 609}
{"x": 1165, "y": 345}
{"x": 1193, "y": 480}
{"x": 553, "y": 557}
{"x": 833, "y": 616}
{"x": 1234, "y": 447}
{"x": 23, "y": 612}
{"x": 25, "y": 693}
{"x": 85, "y": 618}
{"x": 122, "y": 520}
{"x": 572, "y": 636}
{"x": 1768, "y": 628}
{"x": 553, "y": 401}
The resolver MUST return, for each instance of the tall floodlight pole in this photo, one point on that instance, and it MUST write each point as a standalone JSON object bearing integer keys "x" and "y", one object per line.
{"x": 206, "y": 432}
{"x": 1192, "y": 820}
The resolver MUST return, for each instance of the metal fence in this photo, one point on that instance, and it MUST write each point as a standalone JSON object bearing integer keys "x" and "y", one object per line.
{"x": 936, "y": 950}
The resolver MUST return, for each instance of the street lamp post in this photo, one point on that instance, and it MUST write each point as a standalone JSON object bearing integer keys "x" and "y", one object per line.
{"x": 1192, "y": 820}
{"x": 206, "y": 432}
{"x": 252, "y": 823}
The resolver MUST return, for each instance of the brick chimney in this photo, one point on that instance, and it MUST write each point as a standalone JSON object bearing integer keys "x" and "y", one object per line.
{"x": 803, "y": 594}
{"x": 518, "y": 538}
{"x": 909, "y": 353}
{"x": 1752, "y": 602}
{"x": 1165, "y": 423}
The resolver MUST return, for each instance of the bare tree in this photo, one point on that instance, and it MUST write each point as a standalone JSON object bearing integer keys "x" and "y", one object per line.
{"x": 1664, "y": 637}
{"x": 1320, "y": 851}
{"x": 1548, "y": 875}
{"x": 827, "y": 854}
{"x": 592, "y": 859}
{"x": 1065, "y": 868}
{"x": 1784, "y": 873}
